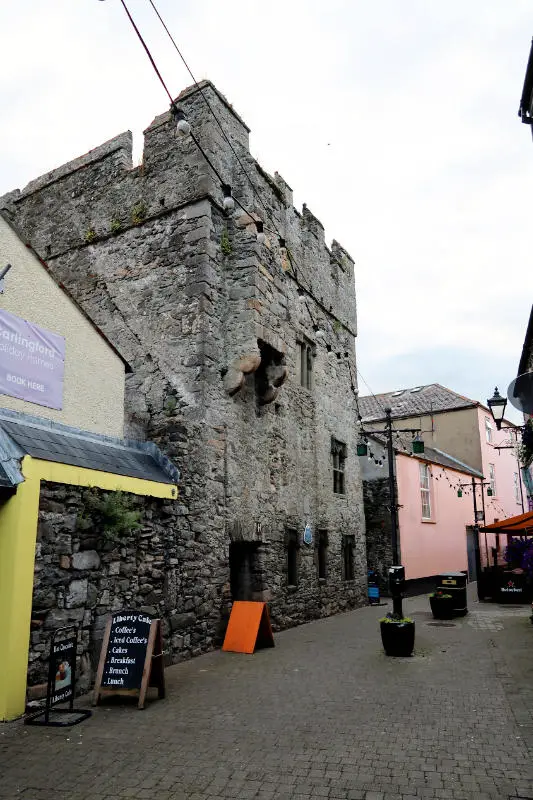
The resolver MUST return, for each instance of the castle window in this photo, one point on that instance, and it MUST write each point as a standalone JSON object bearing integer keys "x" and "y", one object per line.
{"x": 348, "y": 551}
{"x": 306, "y": 355}
{"x": 292, "y": 558}
{"x": 338, "y": 454}
{"x": 322, "y": 555}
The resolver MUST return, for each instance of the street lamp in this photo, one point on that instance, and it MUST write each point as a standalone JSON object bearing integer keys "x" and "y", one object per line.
{"x": 497, "y": 405}
{"x": 396, "y": 572}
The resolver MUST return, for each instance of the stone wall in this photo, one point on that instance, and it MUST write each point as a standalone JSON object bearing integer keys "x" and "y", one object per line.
{"x": 378, "y": 528}
{"x": 211, "y": 322}
{"x": 81, "y": 577}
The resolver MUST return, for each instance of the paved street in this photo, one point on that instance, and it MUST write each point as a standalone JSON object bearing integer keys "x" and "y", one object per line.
{"x": 325, "y": 714}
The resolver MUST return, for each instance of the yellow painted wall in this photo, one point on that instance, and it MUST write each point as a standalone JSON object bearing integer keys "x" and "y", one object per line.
{"x": 93, "y": 391}
{"x": 18, "y": 535}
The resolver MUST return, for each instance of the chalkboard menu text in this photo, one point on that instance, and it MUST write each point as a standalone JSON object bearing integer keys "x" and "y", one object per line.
{"x": 131, "y": 658}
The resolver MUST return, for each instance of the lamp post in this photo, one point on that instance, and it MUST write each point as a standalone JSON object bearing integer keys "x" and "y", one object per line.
{"x": 396, "y": 572}
{"x": 497, "y": 405}
{"x": 475, "y": 528}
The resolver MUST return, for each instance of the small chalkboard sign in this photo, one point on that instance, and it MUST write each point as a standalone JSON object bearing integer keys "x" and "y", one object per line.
{"x": 131, "y": 658}
{"x": 61, "y": 682}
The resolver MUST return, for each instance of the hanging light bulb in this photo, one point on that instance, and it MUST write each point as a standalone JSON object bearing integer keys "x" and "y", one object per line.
{"x": 229, "y": 202}
{"x": 260, "y": 231}
{"x": 182, "y": 126}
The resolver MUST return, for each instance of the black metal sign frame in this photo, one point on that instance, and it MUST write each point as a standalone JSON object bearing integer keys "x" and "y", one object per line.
{"x": 61, "y": 686}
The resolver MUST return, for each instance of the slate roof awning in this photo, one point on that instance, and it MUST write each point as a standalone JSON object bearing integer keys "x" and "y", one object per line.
{"x": 521, "y": 525}
{"x": 22, "y": 434}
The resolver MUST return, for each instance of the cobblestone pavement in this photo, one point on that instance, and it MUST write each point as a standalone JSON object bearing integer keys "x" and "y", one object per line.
{"x": 325, "y": 714}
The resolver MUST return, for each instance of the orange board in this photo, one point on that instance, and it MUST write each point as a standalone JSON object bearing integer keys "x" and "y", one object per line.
{"x": 248, "y": 627}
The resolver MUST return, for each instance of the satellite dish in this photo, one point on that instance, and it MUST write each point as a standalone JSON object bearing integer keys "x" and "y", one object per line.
{"x": 520, "y": 393}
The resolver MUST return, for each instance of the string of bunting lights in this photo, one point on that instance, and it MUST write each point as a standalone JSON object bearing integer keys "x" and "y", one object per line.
{"x": 210, "y": 107}
{"x": 183, "y": 129}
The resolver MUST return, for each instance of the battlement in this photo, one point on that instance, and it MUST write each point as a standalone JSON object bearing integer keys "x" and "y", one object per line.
{"x": 101, "y": 193}
{"x": 119, "y": 149}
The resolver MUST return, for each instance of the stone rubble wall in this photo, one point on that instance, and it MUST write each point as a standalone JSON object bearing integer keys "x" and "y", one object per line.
{"x": 377, "y": 501}
{"x": 192, "y": 300}
{"x": 81, "y": 578}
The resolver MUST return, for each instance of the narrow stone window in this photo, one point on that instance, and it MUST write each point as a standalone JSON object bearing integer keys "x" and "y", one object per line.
{"x": 322, "y": 555}
{"x": 306, "y": 355}
{"x": 338, "y": 453}
{"x": 292, "y": 558}
{"x": 348, "y": 550}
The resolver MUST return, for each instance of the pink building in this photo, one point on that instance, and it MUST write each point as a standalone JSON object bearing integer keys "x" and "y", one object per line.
{"x": 438, "y": 505}
{"x": 432, "y": 518}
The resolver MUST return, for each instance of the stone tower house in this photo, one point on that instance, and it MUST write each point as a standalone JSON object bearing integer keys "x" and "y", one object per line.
{"x": 243, "y": 357}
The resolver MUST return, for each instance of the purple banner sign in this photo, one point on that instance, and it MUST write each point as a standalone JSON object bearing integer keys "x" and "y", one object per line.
{"x": 32, "y": 362}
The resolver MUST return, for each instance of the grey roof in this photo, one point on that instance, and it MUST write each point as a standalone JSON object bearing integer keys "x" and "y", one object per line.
{"x": 22, "y": 434}
{"x": 446, "y": 460}
{"x": 412, "y": 402}
{"x": 433, "y": 455}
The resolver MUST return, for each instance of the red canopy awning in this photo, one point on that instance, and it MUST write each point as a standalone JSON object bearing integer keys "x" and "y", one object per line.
{"x": 522, "y": 525}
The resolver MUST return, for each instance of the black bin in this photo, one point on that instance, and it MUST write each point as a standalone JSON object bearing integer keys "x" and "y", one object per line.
{"x": 454, "y": 583}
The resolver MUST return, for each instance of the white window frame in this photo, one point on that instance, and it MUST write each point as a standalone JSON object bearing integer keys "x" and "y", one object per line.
{"x": 492, "y": 479}
{"x": 488, "y": 430}
{"x": 425, "y": 491}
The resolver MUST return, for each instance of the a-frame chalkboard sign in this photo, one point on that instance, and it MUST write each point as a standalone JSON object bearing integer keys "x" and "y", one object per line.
{"x": 131, "y": 658}
{"x": 61, "y": 687}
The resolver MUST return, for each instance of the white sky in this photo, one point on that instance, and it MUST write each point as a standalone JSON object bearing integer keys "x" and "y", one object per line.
{"x": 396, "y": 122}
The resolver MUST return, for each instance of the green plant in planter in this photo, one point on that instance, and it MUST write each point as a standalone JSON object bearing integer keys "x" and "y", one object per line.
{"x": 441, "y": 604}
{"x": 397, "y": 635}
{"x": 111, "y": 515}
